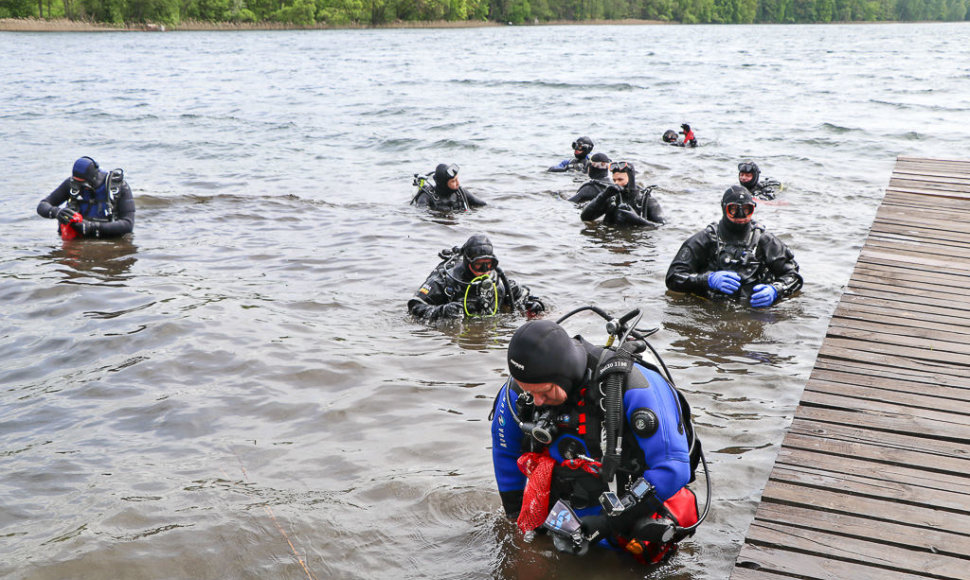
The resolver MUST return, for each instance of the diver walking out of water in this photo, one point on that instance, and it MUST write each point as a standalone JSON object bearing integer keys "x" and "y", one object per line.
{"x": 98, "y": 204}
{"x": 748, "y": 175}
{"x": 625, "y": 203}
{"x": 580, "y": 161}
{"x": 735, "y": 257}
{"x": 445, "y": 193}
{"x": 599, "y": 179}
{"x": 564, "y": 399}
{"x": 468, "y": 282}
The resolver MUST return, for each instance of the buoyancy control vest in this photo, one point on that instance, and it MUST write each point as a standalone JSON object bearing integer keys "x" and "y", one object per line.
{"x": 482, "y": 295}
{"x": 739, "y": 255}
{"x": 101, "y": 203}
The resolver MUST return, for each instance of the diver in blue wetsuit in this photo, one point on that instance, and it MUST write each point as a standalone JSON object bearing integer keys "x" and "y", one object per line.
{"x": 551, "y": 413}
{"x": 580, "y": 161}
{"x": 98, "y": 204}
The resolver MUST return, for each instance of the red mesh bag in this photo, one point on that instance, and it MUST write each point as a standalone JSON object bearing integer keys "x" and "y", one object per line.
{"x": 535, "y": 499}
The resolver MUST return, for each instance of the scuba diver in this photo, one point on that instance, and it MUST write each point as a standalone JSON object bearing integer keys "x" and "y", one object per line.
{"x": 735, "y": 257}
{"x": 468, "y": 282}
{"x": 625, "y": 203}
{"x": 599, "y": 172}
{"x": 580, "y": 161}
{"x": 748, "y": 175}
{"x": 689, "y": 139}
{"x": 565, "y": 398}
{"x": 99, "y": 204}
{"x": 445, "y": 192}
{"x": 671, "y": 137}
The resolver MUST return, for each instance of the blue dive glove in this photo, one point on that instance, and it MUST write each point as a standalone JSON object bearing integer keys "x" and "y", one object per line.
{"x": 764, "y": 295}
{"x": 724, "y": 281}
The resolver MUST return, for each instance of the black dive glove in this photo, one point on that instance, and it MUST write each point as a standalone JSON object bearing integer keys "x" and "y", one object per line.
{"x": 64, "y": 215}
{"x": 533, "y": 305}
{"x": 451, "y": 310}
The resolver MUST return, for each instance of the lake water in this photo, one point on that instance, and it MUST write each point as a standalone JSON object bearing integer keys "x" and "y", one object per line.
{"x": 238, "y": 392}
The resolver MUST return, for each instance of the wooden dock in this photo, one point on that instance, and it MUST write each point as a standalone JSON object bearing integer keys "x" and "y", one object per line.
{"x": 873, "y": 479}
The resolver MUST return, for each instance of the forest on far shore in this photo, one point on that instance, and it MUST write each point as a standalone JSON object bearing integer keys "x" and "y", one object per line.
{"x": 383, "y": 12}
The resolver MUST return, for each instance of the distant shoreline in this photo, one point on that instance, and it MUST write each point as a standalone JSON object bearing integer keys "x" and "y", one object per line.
{"x": 65, "y": 25}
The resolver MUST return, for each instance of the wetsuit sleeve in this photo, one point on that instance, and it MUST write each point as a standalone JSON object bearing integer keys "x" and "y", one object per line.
{"x": 688, "y": 270}
{"x": 474, "y": 200}
{"x": 600, "y": 204}
{"x": 124, "y": 221}
{"x": 429, "y": 300}
{"x": 48, "y": 206}
{"x": 586, "y": 192}
{"x": 664, "y": 444}
{"x": 563, "y": 166}
{"x": 654, "y": 213}
{"x": 506, "y": 449}
{"x": 782, "y": 265}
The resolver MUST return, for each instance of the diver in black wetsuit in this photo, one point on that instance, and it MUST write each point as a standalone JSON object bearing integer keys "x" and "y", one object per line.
{"x": 580, "y": 161}
{"x": 99, "y": 203}
{"x": 748, "y": 175}
{"x": 735, "y": 257}
{"x": 469, "y": 282}
{"x": 446, "y": 193}
{"x": 625, "y": 203}
{"x": 599, "y": 179}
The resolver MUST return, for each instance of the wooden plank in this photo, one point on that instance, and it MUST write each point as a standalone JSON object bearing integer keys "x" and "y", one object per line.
{"x": 901, "y": 317}
{"x": 938, "y": 184}
{"x": 861, "y": 526}
{"x": 906, "y": 274}
{"x": 952, "y": 287}
{"x": 936, "y": 456}
{"x": 916, "y": 260}
{"x": 900, "y": 392}
{"x": 906, "y": 299}
{"x": 920, "y": 248}
{"x": 920, "y": 517}
{"x": 860, "y": 343}
{"x": 861, "y": 369}
{"x": 927, "y": 388}
{"x": 879, "y": 489}
{"x": 929, "y": 427}
{"x": 939, "y": 234}
{"x": 955, "y": 195}
{"x": 922, "y": 202}
{"x": 853, "y": 352}
{"x": 887, "y": 333}
{"x": 899, "y": 557}
{"x": 788, "y": 565}
{"x": 889, "y": 480}
{"x": 910, "y": 309}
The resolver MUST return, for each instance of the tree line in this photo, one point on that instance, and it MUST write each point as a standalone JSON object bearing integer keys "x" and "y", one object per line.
{"x": 378, "y": 12}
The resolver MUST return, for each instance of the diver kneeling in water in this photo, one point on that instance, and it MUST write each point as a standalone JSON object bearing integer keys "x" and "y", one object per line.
{"x": 735, "y": 257}
{"x": 625, "y": 203}
{"x": 580, "y": 161}
{"x": 99, "y": 203}
{"x": 445, "y": 193}
{"x": 748, "y": 175}
{"x": 468, "y": 282}
{"x": 599, "y": 179}
{"x": 564, "y": 398}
